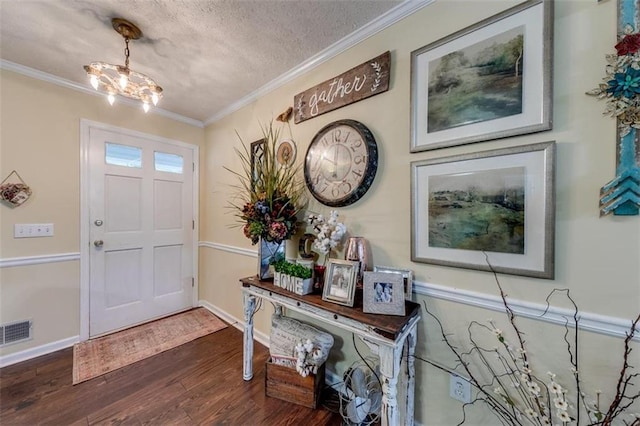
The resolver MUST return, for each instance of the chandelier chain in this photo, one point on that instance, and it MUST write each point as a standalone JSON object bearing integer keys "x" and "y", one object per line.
{"x": 126, "y": 53}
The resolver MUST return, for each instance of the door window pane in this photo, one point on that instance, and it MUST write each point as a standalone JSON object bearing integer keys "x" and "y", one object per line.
{"x": 123, "y": 155}
{"x": 171, "y": 163}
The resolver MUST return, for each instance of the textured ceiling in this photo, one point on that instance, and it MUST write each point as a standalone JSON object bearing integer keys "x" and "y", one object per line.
{"x": 206, "y": 55}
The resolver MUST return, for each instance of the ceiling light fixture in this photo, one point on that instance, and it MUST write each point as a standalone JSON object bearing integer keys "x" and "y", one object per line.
{"x": 121, "y": 80}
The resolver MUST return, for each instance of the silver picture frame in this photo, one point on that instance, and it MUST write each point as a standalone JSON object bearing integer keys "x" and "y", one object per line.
{"x": 407, "y": 276}
{"x": 383, "y": 293}
{"x": 340, "y": 281}
{"x": 491, "y": 210}
{"x": 486, "y": 81}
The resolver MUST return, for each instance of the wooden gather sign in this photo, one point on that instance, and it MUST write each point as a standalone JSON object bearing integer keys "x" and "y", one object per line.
{"x": 365, "y": 80}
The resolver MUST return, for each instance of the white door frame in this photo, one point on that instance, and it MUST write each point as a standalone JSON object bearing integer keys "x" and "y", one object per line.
{"x": 85, "y": 126}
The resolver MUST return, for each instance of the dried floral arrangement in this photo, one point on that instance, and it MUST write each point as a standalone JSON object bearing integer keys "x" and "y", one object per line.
{"x": 268, "y": 196}
{"x": 507, "y": 381}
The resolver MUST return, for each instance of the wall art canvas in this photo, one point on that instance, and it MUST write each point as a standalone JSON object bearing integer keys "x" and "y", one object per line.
{"x": 491, "y": 210}
{"x": 490, "y": 80}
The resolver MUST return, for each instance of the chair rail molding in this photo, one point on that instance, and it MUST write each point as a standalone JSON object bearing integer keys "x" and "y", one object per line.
{"x": 602, "y": 324}
{"x": 39, "y": 259}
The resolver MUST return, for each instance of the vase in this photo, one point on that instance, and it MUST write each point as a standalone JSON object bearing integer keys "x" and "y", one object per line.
{"x": 357, "y": 249}
{"x": 269, "y": 252}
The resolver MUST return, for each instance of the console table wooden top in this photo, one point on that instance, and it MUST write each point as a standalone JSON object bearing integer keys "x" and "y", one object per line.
{"x": 389, "y": 326}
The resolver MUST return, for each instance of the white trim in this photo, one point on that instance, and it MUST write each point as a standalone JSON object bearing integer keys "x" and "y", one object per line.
{"x": 610, "y": 326}
{"x": 45, "y": 349}
{"x": 394, "y": 15}
{"x": 85, "y": 126}
{"x": 229, "y": 249}
{"x": 50, "y": 78}
{"x": 235, "y": 322}
{"x": 37, "y": 260}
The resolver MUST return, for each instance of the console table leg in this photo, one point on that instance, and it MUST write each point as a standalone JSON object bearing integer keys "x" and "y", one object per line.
{"x": 389, "y": 368}
{"x": 249, "y": 308}
{"x": 411, "y": 373}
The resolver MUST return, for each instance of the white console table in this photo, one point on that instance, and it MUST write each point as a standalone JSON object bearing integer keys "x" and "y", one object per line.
{"x": 388, "y": 336}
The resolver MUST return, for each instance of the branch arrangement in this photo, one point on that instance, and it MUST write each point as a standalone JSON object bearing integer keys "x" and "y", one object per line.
{"x": 507, "y": 382}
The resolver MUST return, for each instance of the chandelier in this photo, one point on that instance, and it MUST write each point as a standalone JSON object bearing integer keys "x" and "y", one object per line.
{"x": 121, "y": 80}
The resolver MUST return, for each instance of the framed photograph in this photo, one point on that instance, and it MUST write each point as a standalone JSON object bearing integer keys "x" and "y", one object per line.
{"x": 488, "y": 81}
{"x": 491, "y": 210}
{"x": 340, "y": 281}
{"x": 383, "y": 293}
{"x": 407, "y": 278}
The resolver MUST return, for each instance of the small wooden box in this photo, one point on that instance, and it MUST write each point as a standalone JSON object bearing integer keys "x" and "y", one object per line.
{"x": 287, "y": 384}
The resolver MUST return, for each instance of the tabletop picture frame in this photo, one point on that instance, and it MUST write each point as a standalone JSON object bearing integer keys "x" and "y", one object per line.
{"x": 491, "y": 210}
{"x": 340, "y": 281}
{"x": 383, "y": 293}
{"x": 407, "y": 278}
{"x": 488, "y": 81}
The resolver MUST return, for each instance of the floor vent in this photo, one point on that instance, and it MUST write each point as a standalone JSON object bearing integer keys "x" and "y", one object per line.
{"x": 15, "y": 332}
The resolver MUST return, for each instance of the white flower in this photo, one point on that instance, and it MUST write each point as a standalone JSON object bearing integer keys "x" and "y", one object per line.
{"x": 534, "y": 388}
{"x": 308, "y": 346}
{"x": 555, "y": 388}
{"x": 329, "y": 232}
{"x": 563, "y": 416}
{"x": 497, "y": 332}
{"x": 526, "y": 370}
{"x": 498, "y": 391}
{"x": 545, "y": 420}
{"x": 553, "y": 376}
{"x": 531, "y": 413}
{"x": 560, "y": 404}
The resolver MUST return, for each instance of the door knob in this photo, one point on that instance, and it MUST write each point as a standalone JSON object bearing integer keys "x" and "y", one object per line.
{"x": 98, "y": 243}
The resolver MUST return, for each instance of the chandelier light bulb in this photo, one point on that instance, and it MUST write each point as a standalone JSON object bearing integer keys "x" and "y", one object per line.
{"x": 154, "y": 98}
{"x": 111, "y": 98}
{"x": 94, "y": 81}
{"x": 145, "y": 106}
{"x": 123, "y": 81}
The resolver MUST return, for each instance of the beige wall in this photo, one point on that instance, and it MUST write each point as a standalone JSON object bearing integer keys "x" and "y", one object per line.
{"x": 40, "y": 138}
{"x": 597, "y": 259}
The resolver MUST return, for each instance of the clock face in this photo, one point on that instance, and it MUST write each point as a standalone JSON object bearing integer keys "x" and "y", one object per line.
{"x": 341, "y": 163}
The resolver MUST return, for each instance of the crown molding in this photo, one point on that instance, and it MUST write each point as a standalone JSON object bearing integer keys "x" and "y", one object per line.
{"x": 50, "y": 78}
{"x": 394, "y": 15}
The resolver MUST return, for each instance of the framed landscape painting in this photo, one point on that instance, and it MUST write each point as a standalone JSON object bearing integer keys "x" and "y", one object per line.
{"x": 488, "y": 81}
{"x": 491, "y": 210}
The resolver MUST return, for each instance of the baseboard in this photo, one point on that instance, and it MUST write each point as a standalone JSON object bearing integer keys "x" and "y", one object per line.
{"x": 237, "y": 323}
{"x": 30, "y": 353}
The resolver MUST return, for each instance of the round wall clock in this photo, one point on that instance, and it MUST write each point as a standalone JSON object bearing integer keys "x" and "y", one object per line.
{"x": 341, "y": 163}
{"x": 286, "y": 152}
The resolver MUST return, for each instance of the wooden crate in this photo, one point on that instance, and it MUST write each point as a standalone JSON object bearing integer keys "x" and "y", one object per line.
{"x": 287, "y": 384}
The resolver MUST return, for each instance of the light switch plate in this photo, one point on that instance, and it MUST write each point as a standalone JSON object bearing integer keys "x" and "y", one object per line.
{"x": 32, "y": 230}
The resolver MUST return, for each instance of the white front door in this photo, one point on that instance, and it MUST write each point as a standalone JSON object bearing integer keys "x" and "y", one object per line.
{"x": 141, "y": 229}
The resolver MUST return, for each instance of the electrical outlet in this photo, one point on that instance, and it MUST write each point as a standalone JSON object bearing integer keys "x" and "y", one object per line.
{"x": 459, "y": 388}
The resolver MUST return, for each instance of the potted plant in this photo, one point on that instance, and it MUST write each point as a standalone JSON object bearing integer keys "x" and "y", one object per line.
{"x": 292, "y": 276}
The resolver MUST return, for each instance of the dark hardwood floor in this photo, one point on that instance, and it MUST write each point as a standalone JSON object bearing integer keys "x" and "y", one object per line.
{"x": 197, "y": 383}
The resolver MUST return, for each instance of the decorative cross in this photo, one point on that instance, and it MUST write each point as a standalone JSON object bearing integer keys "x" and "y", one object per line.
{"x": 621, "y": 196}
